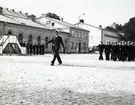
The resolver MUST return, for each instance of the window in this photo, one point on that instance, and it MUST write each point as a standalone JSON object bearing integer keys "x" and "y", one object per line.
{"x": 20, "y": 38}
{"x": 86, "y": 35}
{"x": 38, "y": 39}
{"x": 80, "y": 34}
{"x": 76, "y": 34}
{"x": 46, "y": 39}
{"x": 48, "y": 22}
{"x": 72, "y": 33}
{"x": 30, "y": 39}
{"x": 9, "y": 32}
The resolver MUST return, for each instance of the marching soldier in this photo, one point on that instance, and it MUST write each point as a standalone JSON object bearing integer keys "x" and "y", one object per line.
{"x": 101, "y": 49}
{"x": 122, "y": 51}
{"x": 40, "y": 49}
{"x": 27, "y": 48}
{"x": 133, "y": 50}
{"x": 34, "y": 48}
{"x": 114, "y": 51}
{"x": 129, "y": 51}
{"x": 30, "y": 49}
{"x": 43, "y": 49}
{"x": 107, "y": 50}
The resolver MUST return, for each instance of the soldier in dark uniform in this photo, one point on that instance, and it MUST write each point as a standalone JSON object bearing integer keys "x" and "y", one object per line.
{"x": 34, "y": 48}
{"x": 133, "y": 50}
{"x": 23, "y": 44}
{"x": 101, "y": 49}
{"x": 107, "y": 50}
{"x": 41, "y": 46}
{"x": 27, "y": 48}
{"x": 43, "y": 49}
{"x": 57, "y": 40}
{"x": 40, "y": 49}
{"x": 126, "y": 51}
{"x": 129, "y": 51}
{"x": 30, "y": 48}
{"x": 114, "y": 51}
{"x": 117, "y": 50}
{"x": 123, "y": 52}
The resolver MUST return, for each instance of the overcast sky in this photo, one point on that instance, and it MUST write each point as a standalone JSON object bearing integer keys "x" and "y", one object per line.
{"x": 97, "y": 12}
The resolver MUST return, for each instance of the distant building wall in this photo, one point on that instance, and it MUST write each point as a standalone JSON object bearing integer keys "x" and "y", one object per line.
{"x": 79, "y": 40}
{"x": 110, "y": 36}
{"x": 35, "y": 32}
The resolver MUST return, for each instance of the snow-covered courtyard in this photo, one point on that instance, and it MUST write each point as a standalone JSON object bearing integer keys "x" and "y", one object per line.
{"x": 81, "y": 80}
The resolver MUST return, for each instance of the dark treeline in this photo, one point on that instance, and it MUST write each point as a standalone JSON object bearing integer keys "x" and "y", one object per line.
{"x": 128, "y": 29}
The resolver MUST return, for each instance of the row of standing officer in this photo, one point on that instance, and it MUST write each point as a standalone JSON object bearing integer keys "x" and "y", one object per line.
{"x": 122, "y": 51}
{"x": 34, "y": 49}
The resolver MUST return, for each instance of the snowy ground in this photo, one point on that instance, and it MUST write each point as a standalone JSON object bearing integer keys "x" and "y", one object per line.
{"x": 81, "y": 80}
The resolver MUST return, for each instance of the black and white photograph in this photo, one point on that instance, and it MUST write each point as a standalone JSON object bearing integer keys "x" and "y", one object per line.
{"x": 67, "y": 52}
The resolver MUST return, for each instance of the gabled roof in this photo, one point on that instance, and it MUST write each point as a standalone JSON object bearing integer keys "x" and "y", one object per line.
{"x": 61, "y": 22}
{"x": 6, "y": 19}
{"x": 18, "y": 18}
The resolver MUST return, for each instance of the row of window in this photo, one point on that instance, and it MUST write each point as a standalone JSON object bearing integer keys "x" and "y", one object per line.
{"x": 75, "y": 45}
{"x": 30, "y": 39}
{"x": 76, "y": 34}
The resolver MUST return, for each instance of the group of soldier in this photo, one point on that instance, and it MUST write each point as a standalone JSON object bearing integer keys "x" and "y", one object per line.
{"x": 117, "y": 51}
{"x": 34, "y": 49}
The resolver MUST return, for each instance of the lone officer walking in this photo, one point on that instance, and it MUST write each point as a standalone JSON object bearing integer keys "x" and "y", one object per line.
{"x": 57, "y": 40}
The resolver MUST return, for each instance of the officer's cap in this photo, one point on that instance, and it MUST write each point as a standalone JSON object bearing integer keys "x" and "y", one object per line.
{"x": 56, "y": 30}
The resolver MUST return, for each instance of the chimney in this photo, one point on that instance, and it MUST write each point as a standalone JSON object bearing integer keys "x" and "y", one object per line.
{"x": 20, "y": 12}
{"x": 12, "y": 10}
{"x": 114, "y": 25}
{"x": 62, "y": 19}
{"x": 100, "y": 26}
{"x": 6, "y": 8}
{"x": 32, "y": 17}
{"x": 81, "y": 20}
{"x": 1, "y": 10}
{"x": 26, "y": 14}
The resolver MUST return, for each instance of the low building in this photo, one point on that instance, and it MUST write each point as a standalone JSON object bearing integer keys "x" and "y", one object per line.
{"x": 31, "y": 30}
{"x": 110, "y": 36}
{"x": 98, "y": 34}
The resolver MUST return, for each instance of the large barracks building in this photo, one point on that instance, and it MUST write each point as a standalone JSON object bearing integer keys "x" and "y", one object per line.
{"x": 98, "y": 34}
{"x": 31, "y": 31}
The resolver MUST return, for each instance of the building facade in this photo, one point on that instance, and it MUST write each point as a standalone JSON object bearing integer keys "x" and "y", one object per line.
{"x": 32, "y": 30}
{"x": 110, "y": 36}
{"x": 77, "y": 38}
{"x": 98, "y": 34}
